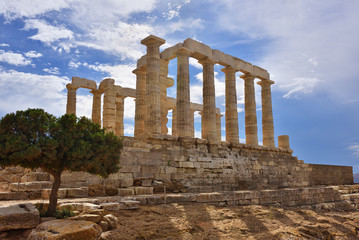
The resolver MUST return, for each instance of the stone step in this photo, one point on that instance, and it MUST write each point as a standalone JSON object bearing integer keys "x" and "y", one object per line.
{"x": 35, "y": 176}
{"x": 29, "y": 186}
{"x": 66, "y": 192}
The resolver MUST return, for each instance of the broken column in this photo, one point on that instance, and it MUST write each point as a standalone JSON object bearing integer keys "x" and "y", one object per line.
{"x": 231, "y": 115}
{"x": 250, "y": 110}
{"x": 283, "y": 142}
{"x": 209, "y": 101}
{"x": 267, "y": 114}
{"x": 140, "y": 108}
{"x": 96, "y": 106}
{"x": 183, "y": 94}
{"x": 71, "y": 99}
{"x": 153, "y": 89}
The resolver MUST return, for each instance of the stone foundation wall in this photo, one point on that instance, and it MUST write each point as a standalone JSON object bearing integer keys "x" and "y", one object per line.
{"x": 330, "y": 175}
{"x": 194, "y": 165}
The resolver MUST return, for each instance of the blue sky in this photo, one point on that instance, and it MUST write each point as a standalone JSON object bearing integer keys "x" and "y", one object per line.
{"x": 310, "y": 49}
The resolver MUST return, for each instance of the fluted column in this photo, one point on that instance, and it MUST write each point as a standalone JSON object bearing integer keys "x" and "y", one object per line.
{"x": 140, "y": 104}
{"x": 153, "y": 89}
{"x": 218, "y": 127}
{"x": 250, "y": 110}
{"x": 119, "y": 116}
{"x": 209, "y": 101}
{"x": 174, "y": 120}
{"x": 71, "y": 99}
{"x": 267, "y": 113}
{"x": 183, "y": 94}
{"x": 192, "y": 123}
{"x": 231, "y": 116}
{"x": 96, "y": 106}
{"x": 109, "y": 108}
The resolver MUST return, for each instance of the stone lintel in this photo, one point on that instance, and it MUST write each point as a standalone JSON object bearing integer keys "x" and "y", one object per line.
{"x": 153, "y": 40}
{"x": 170, "y": 53}
{"x": 183, "y": 52}
{"x": 260, "y": 72}
{"x": 84, "y": 83}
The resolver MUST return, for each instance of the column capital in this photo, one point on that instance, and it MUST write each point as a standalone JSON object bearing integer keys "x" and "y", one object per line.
{"x": 183, "y": 52}
{"x": 265, "y": 82}
{"x": 206, "y": 61}
{"x": 70, "y": 86}
{"x": 141, "y": 70}
{"x": 153, "y": 41}
{"x": 247, "y": 76}
{"x": 229, "y": 69}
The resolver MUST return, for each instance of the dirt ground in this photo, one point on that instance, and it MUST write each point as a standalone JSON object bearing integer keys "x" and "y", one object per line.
{"x": 201, "y": 221}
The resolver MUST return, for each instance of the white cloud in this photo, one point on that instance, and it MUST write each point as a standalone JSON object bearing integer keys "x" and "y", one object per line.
{"x": 4, "y": 45}
{"x": 53, "y": 70}
{"x": 121, "y": 73}
{"x": 33, "y": 54}
{"x": 355, "y": 149}
{"x": 194, "y": 62}
{"x": 73, "y": 64}
{"x": 12, "y": 58}
{"x": 306, "y": 40}
{"x": 27, "y": 90}
{"x": 174, "y": 9}
{"x": 299, "y": 86}
{"x": 47, "y": 33}
{"x": 122, "y": 39}
{"x": 13, "y": 9}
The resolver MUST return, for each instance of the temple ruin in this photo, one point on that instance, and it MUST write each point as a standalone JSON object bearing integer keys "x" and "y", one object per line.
{"x": 153, "y": 158}
{"x": 187, "y": 163}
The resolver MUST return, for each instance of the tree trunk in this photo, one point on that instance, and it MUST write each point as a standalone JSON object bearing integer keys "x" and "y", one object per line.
{"x": 53, "y": 196}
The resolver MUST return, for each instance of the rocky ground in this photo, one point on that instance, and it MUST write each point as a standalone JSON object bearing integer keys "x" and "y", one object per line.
{"x": 201, "y": 221}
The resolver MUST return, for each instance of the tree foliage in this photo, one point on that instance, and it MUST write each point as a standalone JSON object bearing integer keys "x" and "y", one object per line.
{"x": 36, "y": 139}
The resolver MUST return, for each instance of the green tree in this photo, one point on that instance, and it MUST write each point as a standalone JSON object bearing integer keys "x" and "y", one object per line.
{"x": 36, "y": 139}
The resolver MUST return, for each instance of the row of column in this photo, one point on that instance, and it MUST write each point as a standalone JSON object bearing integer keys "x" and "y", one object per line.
{"x": 113, "y": 107}
{"x": 148, "y": 104}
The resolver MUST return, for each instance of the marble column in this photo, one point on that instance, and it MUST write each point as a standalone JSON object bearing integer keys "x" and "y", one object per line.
{"x": 267, "y": 113}
{"x": 153, "y": 88}
{"x": 183, "y": 94}
{"x": 218, "y": 127}
{"x": 192, "y": 123}
{"x": 209, "y": 101}
{"x": 174, "y": 120}
{"x": 96, "y": 106}
{"x": 109, "y": 108}
{"x": 71, "y": 99}
{"x": 140, "y": 104}
{"x": 231, "y": 115}
{"x": 250, "y": 110}
{"x": 119, "y": 116}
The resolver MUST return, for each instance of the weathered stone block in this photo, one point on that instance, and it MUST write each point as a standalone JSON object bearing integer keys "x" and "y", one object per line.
{"x": 111, "y": 206}
{"x": 77, "y": 192}
{"x": 128, "y": 204}
{"x": 126, "y": 191}
{"x": 61, "y": 193}
{"x": 143, "y": 190}
{"x": 66, "y": 229}
{"x": 19, "y": 216}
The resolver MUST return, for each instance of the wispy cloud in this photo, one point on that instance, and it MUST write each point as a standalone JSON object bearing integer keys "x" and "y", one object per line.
{"x": 355, "y": 149}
